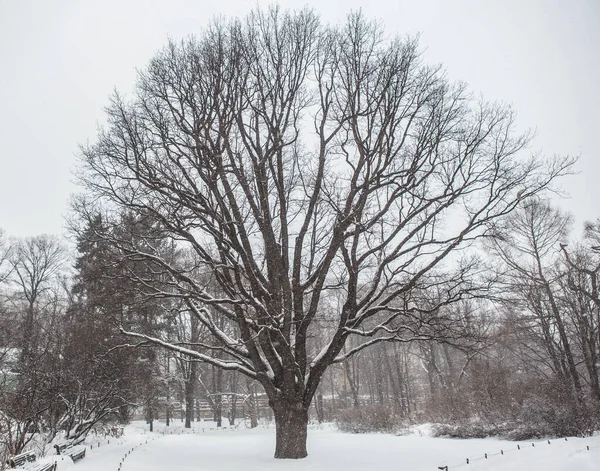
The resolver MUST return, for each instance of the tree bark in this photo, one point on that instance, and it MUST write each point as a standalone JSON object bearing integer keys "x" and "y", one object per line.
{"x": 168, "y": 412}
{"x": 352, "y": 376}
{"x": 319, "y": 408}
{"x": 190, "y": 395}
{"x": 253, "y": 412}
{"x": 217, "y": 402}
{"x": 291, "y": 423}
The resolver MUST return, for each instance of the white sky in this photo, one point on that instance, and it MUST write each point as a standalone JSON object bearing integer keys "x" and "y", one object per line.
{"x": 61, "y": 59}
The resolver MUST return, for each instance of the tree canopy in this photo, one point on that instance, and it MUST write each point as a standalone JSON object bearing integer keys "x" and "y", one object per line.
{"x": 290, "y": 162}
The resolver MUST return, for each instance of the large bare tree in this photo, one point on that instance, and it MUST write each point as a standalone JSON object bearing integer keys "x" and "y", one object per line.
{"x": 295, "y": 159}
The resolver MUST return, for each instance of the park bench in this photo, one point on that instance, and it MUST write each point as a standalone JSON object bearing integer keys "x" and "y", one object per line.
{"x": 67, "y": 449}
{"x": 20, "y": 460}
{"x": 41, "y": 467}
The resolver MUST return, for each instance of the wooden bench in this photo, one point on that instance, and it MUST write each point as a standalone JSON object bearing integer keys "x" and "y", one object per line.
{"x": 67, "y": 449}
{"x": 76, "y": 453}
{"x": 42, "y": 467}
{"x": 29, "y": 457}
{"x": 60, "y": 447}
{"x": 20, "y": 460}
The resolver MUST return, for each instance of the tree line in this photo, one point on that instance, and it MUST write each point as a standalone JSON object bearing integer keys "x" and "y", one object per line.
{"x": 526, "y": 364}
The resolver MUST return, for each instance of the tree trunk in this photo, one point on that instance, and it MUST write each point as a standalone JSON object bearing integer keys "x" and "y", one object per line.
{"x": 352, "y": 377}
{"x": 26, "y": 357}
{"x": 168, "y": 411}
{"x": 379, "y": 376}
{"x": 291, "y": 422}
{"x": 319, "y": 408}
{"x": 394, "y": 385}
{"x": 232, "y": 410}
{"x": 217, "y": 411}
{"x": 190, "y": 394}
{"x": 253, "y": 404}
{"x": 217, "y": 383}
{"x": 233, "y": 388}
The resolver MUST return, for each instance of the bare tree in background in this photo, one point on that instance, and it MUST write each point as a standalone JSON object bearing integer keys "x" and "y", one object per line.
{"x": 36, "y": 262}
{"x": 294, "y": 160}
{"x": 6, "y": 321}
{"x": 35, "y": 306}
{"x": 583, "y": 279}
{"x": 4, "y": 256}
{"x": 528, "y": 244}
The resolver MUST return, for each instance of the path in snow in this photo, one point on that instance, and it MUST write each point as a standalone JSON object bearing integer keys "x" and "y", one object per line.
{"x": 252, "y": 450}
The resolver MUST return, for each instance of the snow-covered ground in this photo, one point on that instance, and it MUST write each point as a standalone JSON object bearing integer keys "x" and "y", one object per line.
{"x": 329, "y": 450}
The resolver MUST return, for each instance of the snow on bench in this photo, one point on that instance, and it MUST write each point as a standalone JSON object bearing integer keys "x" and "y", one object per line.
{"x": 42, "y": 467}
{"x": 67, "y": 449}
{"x": 20, "y": 460}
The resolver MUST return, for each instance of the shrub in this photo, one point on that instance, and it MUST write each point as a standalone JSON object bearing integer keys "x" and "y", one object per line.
{"x": 369, "y": 418}
{"x": 476, "y": 429}
{"x": 553, "y": 417}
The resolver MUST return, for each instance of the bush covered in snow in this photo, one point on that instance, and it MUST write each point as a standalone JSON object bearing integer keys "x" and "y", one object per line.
{"x": 470, "y": 430}
{"x": 544, "y": 417}
{"x": 538, "y": 419}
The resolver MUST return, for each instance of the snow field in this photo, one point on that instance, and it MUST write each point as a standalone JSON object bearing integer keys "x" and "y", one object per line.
{"x": 329, "y": 450}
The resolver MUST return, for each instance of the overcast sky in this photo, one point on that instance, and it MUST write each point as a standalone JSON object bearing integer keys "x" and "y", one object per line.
{"x": 61, "y": 59}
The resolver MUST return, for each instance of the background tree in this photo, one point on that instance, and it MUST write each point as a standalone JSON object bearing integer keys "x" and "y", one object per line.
{"x": 96, "y": 378}
{"x": 7, "y": 323}
{"x": 35, "y": 304}
{"x": 4, "y": 257}
{"x": 295, "y": 159}
{"x": 528, "y": 242}
{"x": 551, "y": 324}
{"x": 582, "y": 280}
{"x": 36, "y": 261}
